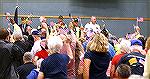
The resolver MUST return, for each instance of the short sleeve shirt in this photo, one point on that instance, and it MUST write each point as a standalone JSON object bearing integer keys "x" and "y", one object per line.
{"x": 55, "y": 66}
{"x": 99, "y": 64}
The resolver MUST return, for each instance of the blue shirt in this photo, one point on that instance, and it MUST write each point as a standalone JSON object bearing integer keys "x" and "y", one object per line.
{"x": 55, "y": 66}
{"x": 111, "y": 50}
{"x": 33, "y": 74}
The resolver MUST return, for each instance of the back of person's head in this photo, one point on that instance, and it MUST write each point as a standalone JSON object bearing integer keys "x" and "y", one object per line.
{"x": 35, "y": 32}
{"x": 55, "y": 43}
{"x": 17, "y": 36}
{"x": 123, "y": 71}
{"x": 3, "y": 33}
{"x": 99, "y": 43}
{"x": 136, "y": 45}
{"x": 60, "y": 17}
{"x": 27, "y": 57}
{"x": 125, "y": 46}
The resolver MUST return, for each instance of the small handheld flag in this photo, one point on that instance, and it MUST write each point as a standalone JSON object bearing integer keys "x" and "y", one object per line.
{"x": 140, "y": 19}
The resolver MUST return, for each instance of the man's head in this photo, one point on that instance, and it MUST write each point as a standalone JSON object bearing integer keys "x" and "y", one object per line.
{"x": 36, "y": 34}
{"x": 23, "y": 20}
{"x": 75, "y": 22}
{"x": 136, "y": 42}
{"x": 123, "y": 71}
{"x": 136, "y": 45}
{"x": 42, "y": 19}
{"x": 93, "y": 19}
{"x": 27, "y": 57}
{"x": 60, "y": 18}
{"x": 3, "y": 33}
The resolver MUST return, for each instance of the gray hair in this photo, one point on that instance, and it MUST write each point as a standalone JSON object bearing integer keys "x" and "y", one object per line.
{"x": 123, "y": 70}
{"x": 17, "y": 35}
{"x": 55, "y": 43}
{"x": 27, "y": 57}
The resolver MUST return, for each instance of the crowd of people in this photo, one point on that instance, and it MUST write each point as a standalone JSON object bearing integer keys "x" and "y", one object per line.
{"x": 71, "y": 51}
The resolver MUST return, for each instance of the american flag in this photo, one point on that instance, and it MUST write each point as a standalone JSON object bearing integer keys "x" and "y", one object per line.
{"x": 140, "y": 19}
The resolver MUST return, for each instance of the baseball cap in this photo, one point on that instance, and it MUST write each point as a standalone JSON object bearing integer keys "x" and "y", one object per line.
{"x": 75, "y": 20}
{"x": 136, "y": 42}
{"x": 60, "y": 17}
{"x": 35, "y": 32}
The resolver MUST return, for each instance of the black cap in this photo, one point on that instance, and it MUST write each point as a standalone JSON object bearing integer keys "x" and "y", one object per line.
{"x": 23, "y": 18}
{"x": 60, "y": 17}
{"x": 75, "y": 20}
{"x": 105, "y": 32}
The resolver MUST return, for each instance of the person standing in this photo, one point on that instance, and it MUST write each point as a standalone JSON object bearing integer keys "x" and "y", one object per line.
{"x": 25, "y": 69}
{"x": 7, "y": 70}
{"x": 97, "y": 58}
{"x": 55, "y": 65}
{"x": 92, "y": 25}
{"x": 135, "y": 59}
{"x": 24, "y": 26}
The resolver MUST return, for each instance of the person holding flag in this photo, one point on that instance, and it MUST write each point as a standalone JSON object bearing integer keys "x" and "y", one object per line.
{"x": 137, "y": 29}
{"x": 24, "y": 26}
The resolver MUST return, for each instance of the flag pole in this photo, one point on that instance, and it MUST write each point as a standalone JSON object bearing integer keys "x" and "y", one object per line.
{"x": 16, "y": 13}
{"x": 137, "y": 23}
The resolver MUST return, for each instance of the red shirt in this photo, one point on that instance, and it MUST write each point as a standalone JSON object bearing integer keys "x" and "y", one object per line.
{"x": 42, "y": 54}
{"x": 116, "y": 59}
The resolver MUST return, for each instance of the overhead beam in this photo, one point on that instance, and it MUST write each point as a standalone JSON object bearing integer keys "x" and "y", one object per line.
{"x": 82, "y": 17}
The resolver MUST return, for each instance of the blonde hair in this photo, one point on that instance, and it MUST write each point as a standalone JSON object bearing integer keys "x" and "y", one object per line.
{"x": 147, "y": 46}
{"x": 98, "y": 44}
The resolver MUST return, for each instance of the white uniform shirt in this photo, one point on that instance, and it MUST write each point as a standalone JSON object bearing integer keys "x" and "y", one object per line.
{"x": 94, "y": 27}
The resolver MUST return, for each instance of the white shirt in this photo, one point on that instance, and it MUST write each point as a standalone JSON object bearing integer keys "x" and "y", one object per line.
{"x": 91, "y": 26}
{"x": 36, "y": 47}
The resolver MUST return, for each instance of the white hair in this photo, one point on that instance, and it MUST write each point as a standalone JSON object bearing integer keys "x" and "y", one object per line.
{"x": 17, "y": 35}
{"x": 125, "y": 46}
{"x": 55, "y": 43}
{"x": 136, "y": 47}
{"x": 136, "y": 77}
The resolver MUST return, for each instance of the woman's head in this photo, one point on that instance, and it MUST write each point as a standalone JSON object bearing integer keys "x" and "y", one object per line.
{"x": 99, "y": 43}
{"x": 125, "y": 46}
{"x": 55, "y": 43}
